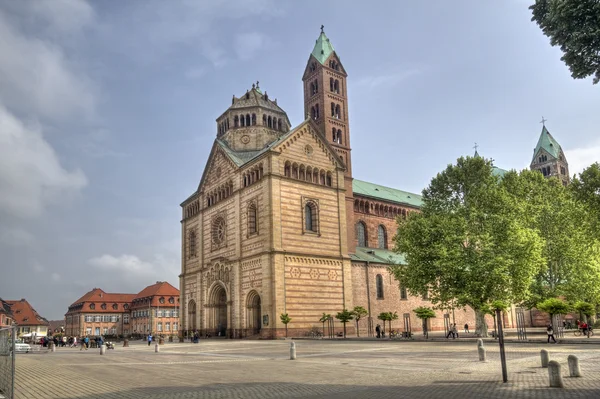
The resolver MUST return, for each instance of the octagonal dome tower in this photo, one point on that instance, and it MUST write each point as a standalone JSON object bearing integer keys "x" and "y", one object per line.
{"x": 252, "y": 121}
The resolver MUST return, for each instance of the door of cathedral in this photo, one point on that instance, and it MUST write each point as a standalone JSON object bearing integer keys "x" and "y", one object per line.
{"x": 218, "y": 305}
{"x": 253, "y": 315}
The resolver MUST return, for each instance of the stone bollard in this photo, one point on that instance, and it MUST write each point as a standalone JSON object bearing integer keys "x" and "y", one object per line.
{"x": 52, "y": 347}
{"x": 293, "y": 351}
{"x": 126, "y": 343}
{"x": 480, "y": 343}
{"x": 156, "y": 348}
{"x": 102, "y": 349}
{"x": 574, "y": 370}
{"x": 545, "y": 358}
{"x": 482, "y": 352}
{"x": 555, "y": 379}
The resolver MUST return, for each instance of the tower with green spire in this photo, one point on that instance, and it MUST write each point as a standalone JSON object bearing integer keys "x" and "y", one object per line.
{"x": 326, "y": 103}
{"x": 549, "y": 158}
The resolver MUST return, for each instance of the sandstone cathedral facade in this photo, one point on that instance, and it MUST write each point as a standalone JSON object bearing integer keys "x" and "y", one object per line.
{"x": 278, "y": 225}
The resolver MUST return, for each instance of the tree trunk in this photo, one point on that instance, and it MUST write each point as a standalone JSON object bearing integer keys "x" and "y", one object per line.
{"x": 344, "y": 330}
{"x": 286, "y": 330}
{"x": 481, "y": 329}
{"x": 357, "y": 332}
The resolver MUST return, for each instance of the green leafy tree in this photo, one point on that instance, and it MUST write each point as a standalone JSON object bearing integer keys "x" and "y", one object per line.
{"x": 554, "y": 306}
{"x": 424, "y": 313}
{"x": 359, "y": 312}
{"x": 572, "y": 25}
{"x": 468, "y": 245}
{"x": 323, "y": 319}
{"x": 571, "y": 266}
{"x": 585, "y": 309}
{"x": 285, "y": 319}
{"x": 385, "y": 316}
{"x": 586, "y": 190}
{"x": 344, "y": 317}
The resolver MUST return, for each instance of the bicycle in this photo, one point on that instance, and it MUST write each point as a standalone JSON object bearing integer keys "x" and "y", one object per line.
{"x": 580, "y": 331}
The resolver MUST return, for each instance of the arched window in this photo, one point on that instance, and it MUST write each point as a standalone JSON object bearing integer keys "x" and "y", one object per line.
{"x": 332, "y": 109}
{"x": 381, "y": 237}
{"x": 361, "y": 234}
{"x": 279, "y": 125}
{"x": 330, "y": 84}
{"x": 336, "y": 86}
{"x": 328, "y": 179}
{"x": 253, "y": 119}
{"x": 312, "y": 88}
{"x": 310, "y": 217}
{"x": 295, "y": 170}
{"x": 242, "y": 121}
{"x": 252, "y": 218}
{"x": 236, "y": 121}
{"x": 316, "y": 86}
{"x": 338, "y": 113}
{"x": 247, "y": 119}
{"x": 302, "y": 174}
{"x": 317, "y": 111}
{"x": 264, "y": 120}
{"x": 334, "y": 134}
{"x": 269, "y": 122}
{"x": 192, "y": 244}
{"x": 379, "y": 283}
{"x": 287, "y": 169}
{"x": 403, "y": 294}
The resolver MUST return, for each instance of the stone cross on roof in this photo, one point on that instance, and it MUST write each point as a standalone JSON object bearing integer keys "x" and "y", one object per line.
{"x": 322, "y": 27}
{"x": 543, "y": 121}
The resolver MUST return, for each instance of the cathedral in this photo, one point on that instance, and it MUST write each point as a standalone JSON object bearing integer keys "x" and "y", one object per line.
{"x": 278, "y": 225}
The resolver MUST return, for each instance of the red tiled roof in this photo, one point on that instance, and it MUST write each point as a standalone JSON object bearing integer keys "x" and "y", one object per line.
{"x": 160, "y": 288}
{"x": 25, "y": 315}
{"x": 99, "y": 301}
{"x": 97, "y": 295}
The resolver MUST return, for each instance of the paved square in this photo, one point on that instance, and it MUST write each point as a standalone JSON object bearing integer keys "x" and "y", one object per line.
{"x": 323, "y": 369}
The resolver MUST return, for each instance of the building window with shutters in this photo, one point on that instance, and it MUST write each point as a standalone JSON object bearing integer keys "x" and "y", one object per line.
{"x": 379, "y": 283}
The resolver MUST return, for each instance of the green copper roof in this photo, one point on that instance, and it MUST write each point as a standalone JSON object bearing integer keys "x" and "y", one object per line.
{"x": 548, "y": 144}
{"x": 367, "y": 189}
{"x": 376, "y": 255}
{"x": 323, "y": 48}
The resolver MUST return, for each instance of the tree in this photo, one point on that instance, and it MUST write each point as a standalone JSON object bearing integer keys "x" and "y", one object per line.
{"x": 553, "y": 306}
{"x": 344, "y": 317}
{"x": 323, "y": 319}
{"x": 572, "y": 25}
{"x": 385, "y": 316}
{"x": 285, "y": 319}
{"x": 571, "y": 268}
{"x": 359, "y": 312}
{"x": 586, "y": 309}
{"x": 468, "y": 245}
{"x": 586, "y": 190}
{"x": 424, "y": 313}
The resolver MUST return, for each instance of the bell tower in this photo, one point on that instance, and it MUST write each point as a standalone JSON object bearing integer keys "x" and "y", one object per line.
{"x": 326, "y": 103}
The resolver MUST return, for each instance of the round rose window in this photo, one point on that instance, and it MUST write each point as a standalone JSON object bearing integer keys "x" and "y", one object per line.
{"x": 218, "y": 231}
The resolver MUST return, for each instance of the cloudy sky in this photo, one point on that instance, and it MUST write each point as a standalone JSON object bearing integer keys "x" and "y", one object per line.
{"x": 107, "y": 114}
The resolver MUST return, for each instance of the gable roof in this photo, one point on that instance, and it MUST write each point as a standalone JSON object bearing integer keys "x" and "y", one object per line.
{"x": 376, "y": 191}
{"x": 377, "y": 255}
{"x": 547, "y": 143}
{"x": 323, "y": 48}
{"x": 98, "y": 295}
{"x": 25, "y": 315}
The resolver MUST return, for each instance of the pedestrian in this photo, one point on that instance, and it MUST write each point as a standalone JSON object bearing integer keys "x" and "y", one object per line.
{"x": 149, "y": 339}
{"x": 454, "y": 331}
{"x": 378, "y": 331}
{"x": 466, "y": 328}
{"x": 451, "y": 331}
{"x": 550, "y": 332}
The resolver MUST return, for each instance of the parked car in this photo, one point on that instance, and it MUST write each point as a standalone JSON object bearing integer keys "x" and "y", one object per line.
{"x": 20, "y": 347}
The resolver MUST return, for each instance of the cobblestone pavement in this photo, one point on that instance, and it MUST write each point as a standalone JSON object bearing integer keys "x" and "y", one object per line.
{"x": 323, "y": 369}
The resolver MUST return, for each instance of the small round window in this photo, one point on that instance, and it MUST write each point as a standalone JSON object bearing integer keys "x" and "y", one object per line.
{"x": 92, "y": 306}
{"x": 103, "y": 306}
{"x": 161, "y": 300}
{"x": 171, "y": 300}
{"x": 308, "y": 150}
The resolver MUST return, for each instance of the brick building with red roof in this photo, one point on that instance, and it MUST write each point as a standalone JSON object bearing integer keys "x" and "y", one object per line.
{"x": 6, "y": 316}
{"x": 27, "y": 319}
{"x": 97, "y": 312}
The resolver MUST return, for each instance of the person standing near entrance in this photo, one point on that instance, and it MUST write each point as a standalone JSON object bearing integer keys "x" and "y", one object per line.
{"x": 149, "y": 339}
{"x": 466, "y": 328}
{"x": 378, "y": 331}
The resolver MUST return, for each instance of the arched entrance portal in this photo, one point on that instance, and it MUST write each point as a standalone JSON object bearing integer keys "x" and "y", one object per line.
{"x": 218, "y": 306}
{"x": 253, "y": 313}
{"x": 191, "y": 315}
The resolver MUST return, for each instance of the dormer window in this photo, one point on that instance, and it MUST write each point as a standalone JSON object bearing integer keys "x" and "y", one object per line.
{"x": 103, "y": 306}
{"x": 92, "y": 306}
{"x": 171, "y": 300}
{"x": 161, "y": 300}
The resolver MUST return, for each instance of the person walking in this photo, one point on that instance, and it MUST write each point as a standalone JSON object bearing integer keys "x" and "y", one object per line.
{"x": 550, "y": 332}
{"x": 466, "y": 328}
{"x": 378, "y": 331}
{"x": 149, "y": 339}
{"x": 454, "y": 331}
{"x": 451, "y": 331}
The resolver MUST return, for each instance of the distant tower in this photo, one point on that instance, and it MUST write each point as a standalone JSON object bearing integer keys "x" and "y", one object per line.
{"x": 549, "y": 158}
{"x": 326, "y": 103}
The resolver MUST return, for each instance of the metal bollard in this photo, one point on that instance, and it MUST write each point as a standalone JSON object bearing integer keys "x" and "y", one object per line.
{"x": 545, "y": 358}
{"x": 156, "y": 348}
{"x": 482, "y": 353}
{"x": 555, "y": 379}
{"x": 102, "y": 349}
{"x": 480, "y": 343}
{"x": 293, "y": 351}
{"x": 574, "y": 370}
